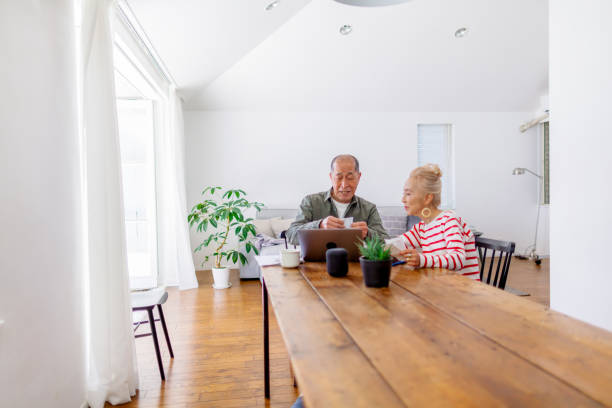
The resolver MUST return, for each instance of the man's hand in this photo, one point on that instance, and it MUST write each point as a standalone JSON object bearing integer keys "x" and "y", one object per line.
{"x": 411, "y": 256}
{"x": 331, "y": 222}
{"x": 363, "y": 226}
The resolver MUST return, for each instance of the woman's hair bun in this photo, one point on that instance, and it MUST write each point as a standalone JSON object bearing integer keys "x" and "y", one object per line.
{"x": 434, "y": 169}
{"x": 429, "y": 180}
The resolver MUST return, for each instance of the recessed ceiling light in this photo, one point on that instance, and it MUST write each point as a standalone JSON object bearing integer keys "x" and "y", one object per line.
{"x": 462, "y": 32}
{"x": 272, "y": 5}
{"x": 346, "y": 29}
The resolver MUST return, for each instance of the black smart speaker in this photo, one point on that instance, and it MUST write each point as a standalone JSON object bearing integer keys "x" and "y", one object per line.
{"x": 337, "y": 262}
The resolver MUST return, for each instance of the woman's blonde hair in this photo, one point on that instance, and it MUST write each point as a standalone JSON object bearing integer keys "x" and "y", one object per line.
{"x": 429, "y": 180}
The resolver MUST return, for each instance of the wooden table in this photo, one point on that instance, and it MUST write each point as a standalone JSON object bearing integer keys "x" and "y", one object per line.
{"x": 432, "y": 338}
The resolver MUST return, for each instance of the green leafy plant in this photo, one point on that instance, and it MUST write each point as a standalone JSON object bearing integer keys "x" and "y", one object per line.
{"x": 225, "y": 218}
{"x": 374, "y": 249}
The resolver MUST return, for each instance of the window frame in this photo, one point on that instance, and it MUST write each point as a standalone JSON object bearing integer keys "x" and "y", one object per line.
{"x": 130, "y": 65}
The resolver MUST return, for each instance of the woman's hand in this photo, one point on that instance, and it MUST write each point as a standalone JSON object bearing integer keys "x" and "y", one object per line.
{"x": 411, "y": 256}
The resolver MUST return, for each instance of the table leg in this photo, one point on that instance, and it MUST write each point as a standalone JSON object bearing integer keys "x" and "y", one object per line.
{"x": 292, "y": 375}
{"x": 266, "y": 336}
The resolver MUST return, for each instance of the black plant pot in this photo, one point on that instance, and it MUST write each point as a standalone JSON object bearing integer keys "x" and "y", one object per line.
{"x": 375, "y": 273}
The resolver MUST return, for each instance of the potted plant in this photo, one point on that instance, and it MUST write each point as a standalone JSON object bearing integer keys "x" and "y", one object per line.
{"x": 226, "y": 220}
{"x": 375, "y": 262}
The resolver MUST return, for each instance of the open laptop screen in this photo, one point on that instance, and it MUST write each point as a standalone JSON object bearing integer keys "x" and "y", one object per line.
{"x": 315, "y": 242}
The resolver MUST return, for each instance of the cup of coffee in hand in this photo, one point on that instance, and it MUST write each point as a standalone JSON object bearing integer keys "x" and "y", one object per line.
{"x": 347, "y": 222}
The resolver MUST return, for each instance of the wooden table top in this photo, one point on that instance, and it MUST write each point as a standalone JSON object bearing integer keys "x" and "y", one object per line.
{"x": 432, "y": 338}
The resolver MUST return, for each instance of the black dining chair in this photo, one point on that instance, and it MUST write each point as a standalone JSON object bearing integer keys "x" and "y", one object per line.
{"x": 505, "y": 250}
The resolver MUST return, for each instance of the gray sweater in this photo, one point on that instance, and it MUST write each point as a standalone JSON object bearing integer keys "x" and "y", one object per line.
{"x": 315, "y": 207}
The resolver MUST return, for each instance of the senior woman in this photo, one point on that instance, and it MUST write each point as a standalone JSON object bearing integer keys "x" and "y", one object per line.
{"x": 442, "y": 237}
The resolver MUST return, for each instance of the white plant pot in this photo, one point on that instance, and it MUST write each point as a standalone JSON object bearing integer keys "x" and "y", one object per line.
{"x": 221, "y": 278}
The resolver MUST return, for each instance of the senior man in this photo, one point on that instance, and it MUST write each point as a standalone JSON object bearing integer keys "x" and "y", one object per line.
{"x": 326, "y": 209}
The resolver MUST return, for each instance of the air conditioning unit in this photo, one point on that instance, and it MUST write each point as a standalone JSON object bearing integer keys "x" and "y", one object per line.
{"x": 541, "y": 116}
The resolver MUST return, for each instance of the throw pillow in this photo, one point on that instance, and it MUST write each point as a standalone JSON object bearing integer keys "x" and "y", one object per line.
{"x": 264, "y": 226}
{"x": 279, "y": 226}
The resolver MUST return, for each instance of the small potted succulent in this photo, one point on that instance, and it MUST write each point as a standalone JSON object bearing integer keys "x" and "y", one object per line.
{"x": 225, "y": 218}
{"x": 375, "y": 262}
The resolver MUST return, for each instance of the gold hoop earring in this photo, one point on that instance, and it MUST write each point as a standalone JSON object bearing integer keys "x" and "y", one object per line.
{"x": 425, "y": 212}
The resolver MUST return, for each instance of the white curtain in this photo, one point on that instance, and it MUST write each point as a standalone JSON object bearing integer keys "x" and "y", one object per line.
{"x": 42, "y": 354}
{"x": 112, "y": 369}
{"x": 175, "y": 259}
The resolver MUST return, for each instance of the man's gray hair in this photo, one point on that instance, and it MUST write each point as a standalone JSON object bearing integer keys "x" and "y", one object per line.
{"x": 345, "y": 156}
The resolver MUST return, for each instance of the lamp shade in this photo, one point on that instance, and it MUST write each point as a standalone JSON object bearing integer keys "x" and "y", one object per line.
{"x": 521, "y": 170}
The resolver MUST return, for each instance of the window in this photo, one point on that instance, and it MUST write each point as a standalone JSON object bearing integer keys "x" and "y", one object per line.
{"x": 146, "y": 105}
{"x": 136, "y": 135}
{"x": 138, "y": 116}
{"x": 434, "y": 145}
{"x": 545, "y": 163}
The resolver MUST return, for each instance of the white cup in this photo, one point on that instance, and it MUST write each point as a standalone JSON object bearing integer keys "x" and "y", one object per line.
{"x": 290, "y": 258}
{"x": 347, "y": 222}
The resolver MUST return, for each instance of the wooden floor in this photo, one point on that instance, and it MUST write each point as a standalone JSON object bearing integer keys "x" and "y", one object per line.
{"x": 527, "y": 276}
{"x": 218, "y": 345}
{"x": 217, "y": 337}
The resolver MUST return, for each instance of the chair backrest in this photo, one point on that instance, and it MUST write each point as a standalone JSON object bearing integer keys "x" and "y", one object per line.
{"x": 505, "y": 250}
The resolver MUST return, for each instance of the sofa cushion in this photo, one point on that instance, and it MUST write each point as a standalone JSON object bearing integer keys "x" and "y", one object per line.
{"x": 398, "y": 224}
{"x": 264, "y": 226}
{"x": 394, "y": 224}
{"x": 279, "y": 226}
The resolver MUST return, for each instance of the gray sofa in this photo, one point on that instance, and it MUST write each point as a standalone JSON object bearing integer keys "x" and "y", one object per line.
{"x": 251, "y": 269}
{"x": 394, "y": 220}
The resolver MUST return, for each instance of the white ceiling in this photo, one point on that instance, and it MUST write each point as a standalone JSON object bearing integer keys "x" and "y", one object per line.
{"x": 398, "y": 58}
{"x": 199, "y": 39}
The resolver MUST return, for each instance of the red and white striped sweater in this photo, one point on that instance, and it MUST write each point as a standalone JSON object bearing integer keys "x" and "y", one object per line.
{"x": 446, "y": 242}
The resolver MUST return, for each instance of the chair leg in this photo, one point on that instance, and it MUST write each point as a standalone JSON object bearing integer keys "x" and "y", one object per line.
{"x": 156, "y": 344}
{"x": 163, "y": 322}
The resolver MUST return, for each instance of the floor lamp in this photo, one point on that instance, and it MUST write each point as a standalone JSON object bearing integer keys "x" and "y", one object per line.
{"x": 530, "y": 252}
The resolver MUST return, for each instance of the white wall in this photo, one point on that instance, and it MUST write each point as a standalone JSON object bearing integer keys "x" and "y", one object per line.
{"x": 580, "y": 89}
{"x": 42, "y": 360}
{"x": 280, "y": 157}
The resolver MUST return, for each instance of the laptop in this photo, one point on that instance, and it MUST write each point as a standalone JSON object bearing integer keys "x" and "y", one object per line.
{"x": 315, "y": 242}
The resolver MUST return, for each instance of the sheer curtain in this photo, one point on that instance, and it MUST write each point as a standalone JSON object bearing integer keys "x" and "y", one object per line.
{"x": 175, "y": 259}
{"x": 42, "y": 354}
{"x": 112, "y": 369}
